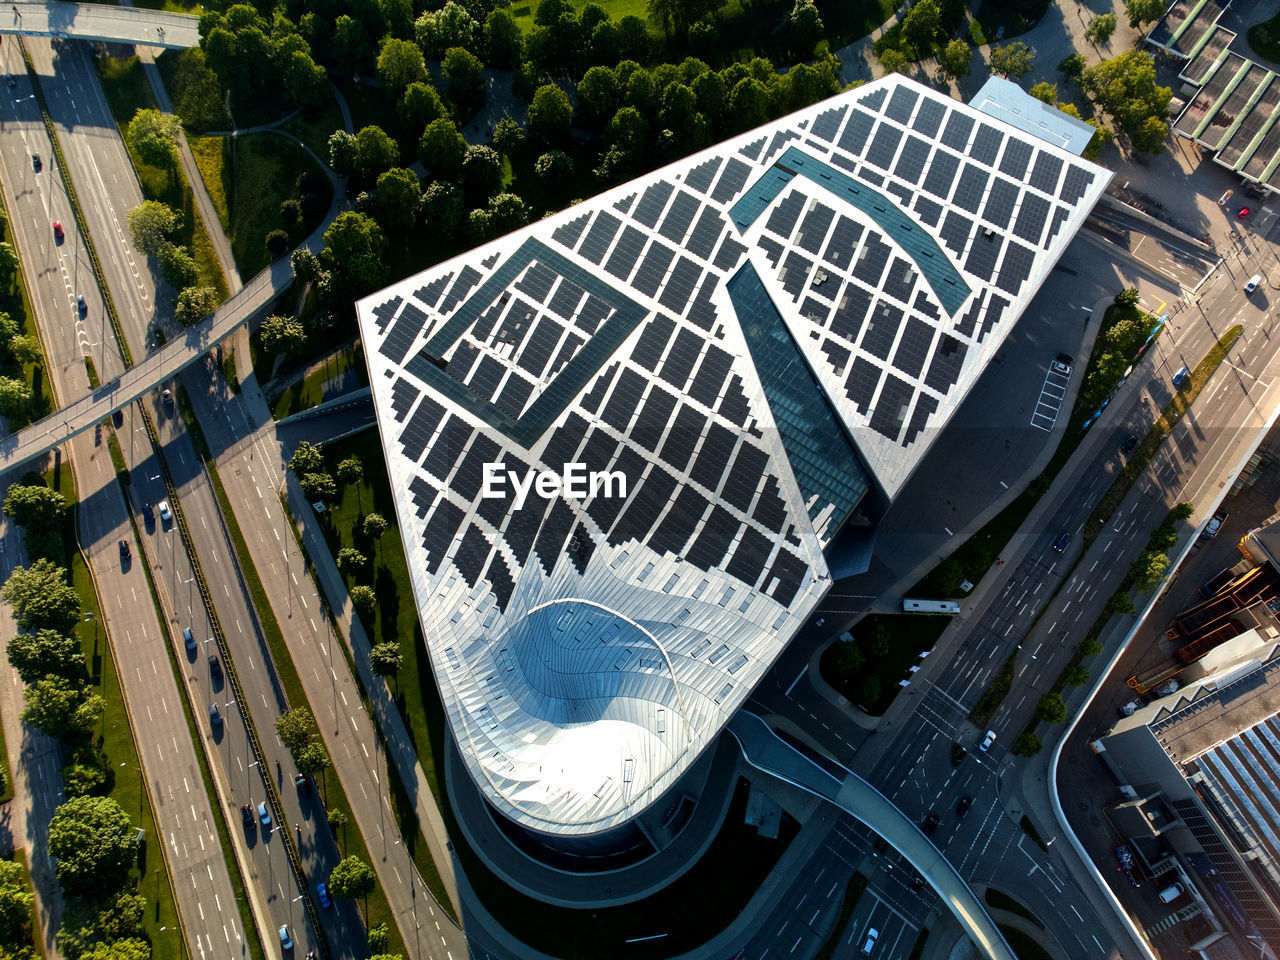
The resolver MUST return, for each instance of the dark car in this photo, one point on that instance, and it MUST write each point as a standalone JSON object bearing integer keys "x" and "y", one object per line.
{"x": 302, "y": 783}
{"x": 215, "y": 667}
{"x": 58, "y": 235}
{"x": 82, "y": 308}
{"x": 10, "y": 81}
{"x": 322, "y": 895}
{"x": 1130, "y": 442}
{"x": 36, "y": 163}
{"x": 246, "y": 814}
{"x": 930, "y": 824}
{"x": 1061, "y": 544}
{"x": 189, "y": 639}
{"x": 148, "y": 513}
{"x": 124, "y": 550}
{"x": 215, "y": 717}
{"x": 117, "y": 418}
{"x": 963, "y": 806}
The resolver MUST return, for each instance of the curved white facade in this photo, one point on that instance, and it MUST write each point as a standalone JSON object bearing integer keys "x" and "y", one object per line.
{"x": 747, "y": 341}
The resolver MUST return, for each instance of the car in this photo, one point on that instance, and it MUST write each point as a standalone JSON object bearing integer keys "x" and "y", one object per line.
{"x": 215, "y": 717}
{"x": 246, "y": 815}
{"x": 322, "y": 895}
{"x": 1130, "y": 442}
{"x": 1172, "y": 893}
{"x": 1244, "y": 212}
{"x": 188, "y": 639}
{"x": 869, "y": 942}
{"x": 1124, "y": 856}
{"x": 10, "y": 80}
{"x": 166, "y": 397}
{"x": 987, "y": 741}
{"x": 917, "y": 883}
{"x": 165, "y": 515}
{"x": 1181, "y": 377}
{"x": 148, "y": 513}
{"x": 215, "y": 667}
{"x": 302, "y": 783}
{"x": 963, "y": 806}
{"x": 286, "y": 941}
{"x": 58, "y": 235}
{"x": 124, "y": 550}
{"x": 263, "y": 815}
{"x": 1062, "y": 365}
{"x": 82, "y": 308}
{"x": 36, "y": 163}
{"x": 1214, "y": 525}
{"x": 1062, "y": 542}
{"x": 1222, "y": 200}
{"x": 930, "y": 824}
{"x": 117, "y": 418}
{"x": 1253, "y": 283}
{"x": 1129, "y": 709}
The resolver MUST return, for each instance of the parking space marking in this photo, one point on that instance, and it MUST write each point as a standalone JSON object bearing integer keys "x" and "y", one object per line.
{"x": 1052, "y": 392}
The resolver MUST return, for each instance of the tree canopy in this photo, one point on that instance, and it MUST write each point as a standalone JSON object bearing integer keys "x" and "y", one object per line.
{"x": 1125, "y": 88}
{"x": 154, "y": 136}
{"x": 1012, "y": 60}
{"x": 95, "y": 845}
{"x": 42, "y": 598}
{"x": 45, "y": 652}
{"x": 150, "y": 224}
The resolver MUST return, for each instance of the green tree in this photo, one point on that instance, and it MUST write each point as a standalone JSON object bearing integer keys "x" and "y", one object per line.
{"x": 441, "y": 148}
{"x": 342, "y": 152}
{"x": 318, "y": 486}
{"x": 16, "y": 900}
{"x": 46, "y": 653}
{"x": 1144, "y": 11}
{"x": 1151, "y": 135}
{"x": 305, "y": 81}
{"x": 335, "y": 818}
{"x": 442, "y": 207}
{"x": 354, "y": 47}
{"x": 501, "y": 40}
{"x": 150, "y": 224}
{"x": 351, "y": 561}
{"x": 1027, "y": 744}
{"x": 1072, "y": 66}
{"x": 353, "y": 879}
{"x": 509, "y": 138}
{"x": 1075, "y": 675}
{"x": 1050, "y": 708}
{"x": 1045, "y": 92}
{"x": 869, "y": 690}
{"x": 1125, "y": 88}
{"x": 363, "y": 599}
{"x": 350, "y": 471}
{"x": 374, "y": 526}
{"x": 597, "y": 93}
{"x": 1128, "y": 297}
{"x": 550, "y": 114}
{"x": 847, "y": 659}
{"x": 194, "y": 304}
{"x": 128, "y": 948}
{"x": 386, "y": 659}
{"x": 803, "y": 28}
{"x": 95, "y": 845}
{"x": 398, "y": 198}
{"x": 921, "y": 24}
{"x": 748, "y": 104}
{"x": 1149, "y": 569}
{"x": 154, "y": 137}
{"x": 1162, "y": 537}
{"x": 177, "y": 265}
{"x": 296, "y": 729}
{"x": 277, "y": 244}
{"x": 450, "y": 26}
{"x": 507, "y": 212}
{"x": 353, "y": 248}
{"x": 1182, "y": 511}
{"x": 24, "y": 349}
{"x": 282, "y": 335}
{"x": 1120, "y": 602}
{"x": 378, "y": 937}
{"x": 463, "y": 77}
{"x": 15, "y": 397}
{"x": 313, "y": 759}
{"x": 400, "y": 64}
{"x": 1012, "y": 60}
{"x": 1089, "y": 647}
{"x": 956, "y": 60}
{"x": 420, "y": 105}
{"x": 42, "y": 598}
{"x": 35, "y": 506}
{"x": 555, "y": 167}
{"x": 894, "y": 60}
{"x": 1100, "y": 29}
{"x": 481, "y": 172}
{"x": 307, "y": 457}
{"x": 8, "y": 262}
{"x": 62, "y": 708}
{"x": 376, "y": 152}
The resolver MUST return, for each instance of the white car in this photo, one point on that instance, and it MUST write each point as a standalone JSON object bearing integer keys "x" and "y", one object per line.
{"x": 870, "y": 943}
{"x": 987, "y": 741}
{"x": 165, "y": 515}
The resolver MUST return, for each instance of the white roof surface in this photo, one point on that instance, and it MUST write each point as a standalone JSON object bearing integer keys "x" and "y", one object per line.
{"x": 1005, "y": 100}
{"x": 587, "y": 650}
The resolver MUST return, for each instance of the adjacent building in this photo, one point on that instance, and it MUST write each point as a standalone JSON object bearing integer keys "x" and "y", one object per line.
{"x": 624, "y": 441}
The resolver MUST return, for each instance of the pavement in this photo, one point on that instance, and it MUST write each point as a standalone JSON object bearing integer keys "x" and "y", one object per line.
{"x": 94, "y": 21}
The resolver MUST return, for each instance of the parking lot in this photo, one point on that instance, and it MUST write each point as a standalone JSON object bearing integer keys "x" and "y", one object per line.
{"x": 1052, "y": 392}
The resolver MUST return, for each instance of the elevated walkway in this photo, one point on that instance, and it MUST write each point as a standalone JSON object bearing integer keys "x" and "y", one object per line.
{"x": 94, "y": 21}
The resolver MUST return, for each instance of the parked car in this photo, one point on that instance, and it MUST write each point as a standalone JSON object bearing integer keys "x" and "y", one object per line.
{"x": 189, "y": 639}
{"x": 987, "y": 741}
{"x": 1172, "y": 893}
{"x": 930, "y": 824}
{"x": 215, "y": 717}
{"x": 1129, "y": 709}
{"x": 286, "y": 941}
{"x": 963, "y": 806}
{"x": 166, "y": 397}
{"x": 58, "y": 235}
{"x": 1130, "y": 442}
{"x": 322, "y": 895}
{"x": 869, "y": 943}
{"x": 165, "y": 515}
{"x": 1062, "y": 364}
{"x": 1124, "y": 856}
{"x": 1244, "y": 212}
{"x": 1214, "y": 525}
{"x": 263, "y": 815}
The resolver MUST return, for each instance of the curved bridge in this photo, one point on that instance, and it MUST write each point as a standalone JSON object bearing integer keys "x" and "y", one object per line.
{"x": 94, "y": 21}
{"x": 767, "y": 752}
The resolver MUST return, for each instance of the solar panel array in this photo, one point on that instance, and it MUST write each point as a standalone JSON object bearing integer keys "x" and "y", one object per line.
{"x": 737, "y": 348}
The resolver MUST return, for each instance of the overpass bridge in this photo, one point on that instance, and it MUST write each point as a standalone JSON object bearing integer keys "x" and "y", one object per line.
{"x": 769, "y": 753}
{"x": 96, "y": 21}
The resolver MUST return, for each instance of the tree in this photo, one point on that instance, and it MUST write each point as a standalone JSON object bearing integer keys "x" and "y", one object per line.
{"x": 956, "y": 60}
{"x": 363, "y": 599}
{"x": 46, "y": 653}
{"x": 1089, "y": 647}
{"x": 95, "y": 845}
{"x": 35, "y": 506}
{"x": 398, "y": 197}
{"x": 1072, "y": 66}
{"x": 386, "y": 658}
{"x": 24, "y": 349}
{"x": 550, "y": 114}
{"x": 127, "y": 948}
{"x": 501, "y": 40}
{"x": 305, "y": 81}
{"x": 869, "y": 689}
{"x": 282, "y": 335}
{"x": 1027, "y": 744}
{"x": 350, "y": 471}
{"x": 1128, "y": 297}
{"x": 1163, "y": 537}
{"x": 442, "y": 207}
{"x": 351, "y": 561}
{"x": 376, "y": 152}
{"x": 307, "y": 458}
{"x": 1075, "y": 675}
{"x": 352, "y": 44}
{"x": 374, "y": 526}
{"x": 352, "y": 878}
{"x": 62, "y": 708}
{"x": 921, "y": 24}
{"x": 150, "y": 224}
{"x": 378, "y": 937}
{"x": 15, "y": 397}
{"x": 1149, "y": 569}
{"x": 748, "y": 104}
{"x": 1182, "y": 511}
{"x": 318, "y": 486}
{"x": 507, "y": 212}
{"x": 342, "y": 152}
{"x": 509, "y": 138}
{"x": 554, "y": 168}
{"x": 177, "y": 265}
{"x": 450, "y": 26}
{"x": 464, "y": 78}
{"x": 1045, "y": 92}
{"x": 296, "y": 729}
{"x": 1125, "y": 88}
{"x": 1050, "y": 708}
{"x": 803, "y": 28}
{"x": 42, "y": 598}
{"x": 16, "y": 900}
{"x": 597, "y": 93}
{"x": 420, "y": 105}
{"x": 1144, "y": 11}
{"x": 306, "y": 266}
{"x": 481, "y": 172}
{"x": 1151, "y": 135}
{"x": 313, "y": 759}
{"x": 400, "y": 64}
{"x": 441, "y": 148}
{"x": 335, "y": 818}
{"x": 194, "y": 304}
{"x": 1012, "y": 60}
{"x": 894, "y": 60}
{"x": 277, "y": 244}
{"x": 1120, "y": 602}
{"x": 847, "y": 659}
{"x": 353, "y": 248}
{"x": 1100, "y": 29}
{"x": 154, "y": 137}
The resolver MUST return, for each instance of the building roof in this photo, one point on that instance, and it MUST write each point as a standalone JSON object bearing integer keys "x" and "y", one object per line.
{"x": 750, "y": 338}
{"x": 1005, "y": 100}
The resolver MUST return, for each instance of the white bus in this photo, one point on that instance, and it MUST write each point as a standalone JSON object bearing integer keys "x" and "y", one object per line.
{"x": 930, "y": 606}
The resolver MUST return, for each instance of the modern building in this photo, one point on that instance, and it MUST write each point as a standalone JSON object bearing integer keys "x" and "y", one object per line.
{"x": 1203, "y": 764}
{"x": 624, "y": 440}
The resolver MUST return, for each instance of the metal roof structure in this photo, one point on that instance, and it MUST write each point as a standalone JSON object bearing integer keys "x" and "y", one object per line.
{"x": 1005, "y": 100}
{"x": 737, "y": 347}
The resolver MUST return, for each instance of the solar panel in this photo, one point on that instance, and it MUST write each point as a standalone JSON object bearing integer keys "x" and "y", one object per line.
{"x": 813, "y": 229}
{"x": 753, "y": 149}
{"x": 742, "y": 479}
{"x": 857, "y": 131}
{"x": 986, "y": 145}
{"x": 901, "y": 104}
{"x": 430, "y": 293}
{"x": 884, "y": 146}
{"x": 653, "y": 268}
{"x": 714, "y": 456}
{"x": 928, "y": 210}
{"x": 537, "y": 281}
{"x": 715, "y": 366}
{"x": 901, "y": 191}
{"x": 515, "y": 394}
{"x": 827, "y": 123}
{"x": 1015, "y": 268}
{"x": 604, "y": 510}
{"x": 998, "y": 209}
{"x": 734, "y": 406}
{"x": 844, "y": 240}
{"x": 494, "y": 509}
{"x": 969, "y": 321}
{"x": 402, "y": 333}
{"x": 424, "y": 496}
{"x": 486, "y": 377}
{"x": 653, "y": 341}
{"x": 752, "y": 553}
{"x": 881, "y": 330}
{"x": 567, "y": 349}
{"x": 942, "y": 174}
{"x": 1060, "y": 215}
{"x": 700, "y": 177}
{"x": 869, "y": 175}
{"x": 783, "y": 219}
{"x": 623, "y": 205}
{"x": 654, "y": 417}
{"x": 563, "y": 446}
{"x": 626, "y": 253}
{"x": 969, "y": 191}
{"x": 871, "y": 260}
{"x": 551, "y": 538}
{"x": 890, "y": 413}
{"x": 403, "y": 393}
{"x": 929, "y": 117}
{"x": 678, "y": 525}
{"x": 900, "y": 279}
{"x": 1031, "y": 217}
{"x": 814, "y": 309}
{"x": 590, "y": 401}
{"x": 1074, "y": 184}
{"x": 417, "y": 432}
{"x": 439, "y": 531}
{"x": 956, "y": 133}
{"x": 991, "y": 316}
{"x": 915, "y": 154}
{"x": 683, "y": 437}
{"x": 624, "y": 400}
{"x": 955, "y": 231}
{"x": 652, "y": 203}
{"x": 925, "y": 407}
{"x": 469, "y": 476}
{"x": 706, "y": 232}
{"x": 731, "y": 181}
{"x": 770, "y": 509}
{"x": 925, "y": 306}
{"x": 500, "y": 582}
{"x": 851, "y": 314}
{"x": 1044, "y": 175}
{"x": 702, "y": 311}
{"x": 1017, "y": 155}
{"x": 944, "y": 369}
{"x": 467, "y": 278}
{"x": 600, "y": 236}
{"x": 648, "y": 500}
{"x": 681, "y": 358}
{"x": 984, "y": 253}
{"x": 913, "y": 348}
{"x": 566, "y": 299}
{"x": 780, "y": 140}
{"x": 796, "y": 274}
{"x": 875, "y": 99}
{"x": 772, "y": 250}
{"x": 709, "y": 549}
{"x": 541, "y": 344}
{"x": 679, "y": 288}
{"x": 729, "y": 254}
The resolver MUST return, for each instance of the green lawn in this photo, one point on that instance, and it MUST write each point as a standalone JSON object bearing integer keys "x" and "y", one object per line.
{"x": 115, "y": 741}
{"x": 315, "y": 131}
{"x": 248, "y": 179}
{"x": 1264, "y": 39}
{"x": 173, "y": 6}
{"x": 875, "y": 685}
{"x": 307, "y": 394}
{"x": 127, "y": 91}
